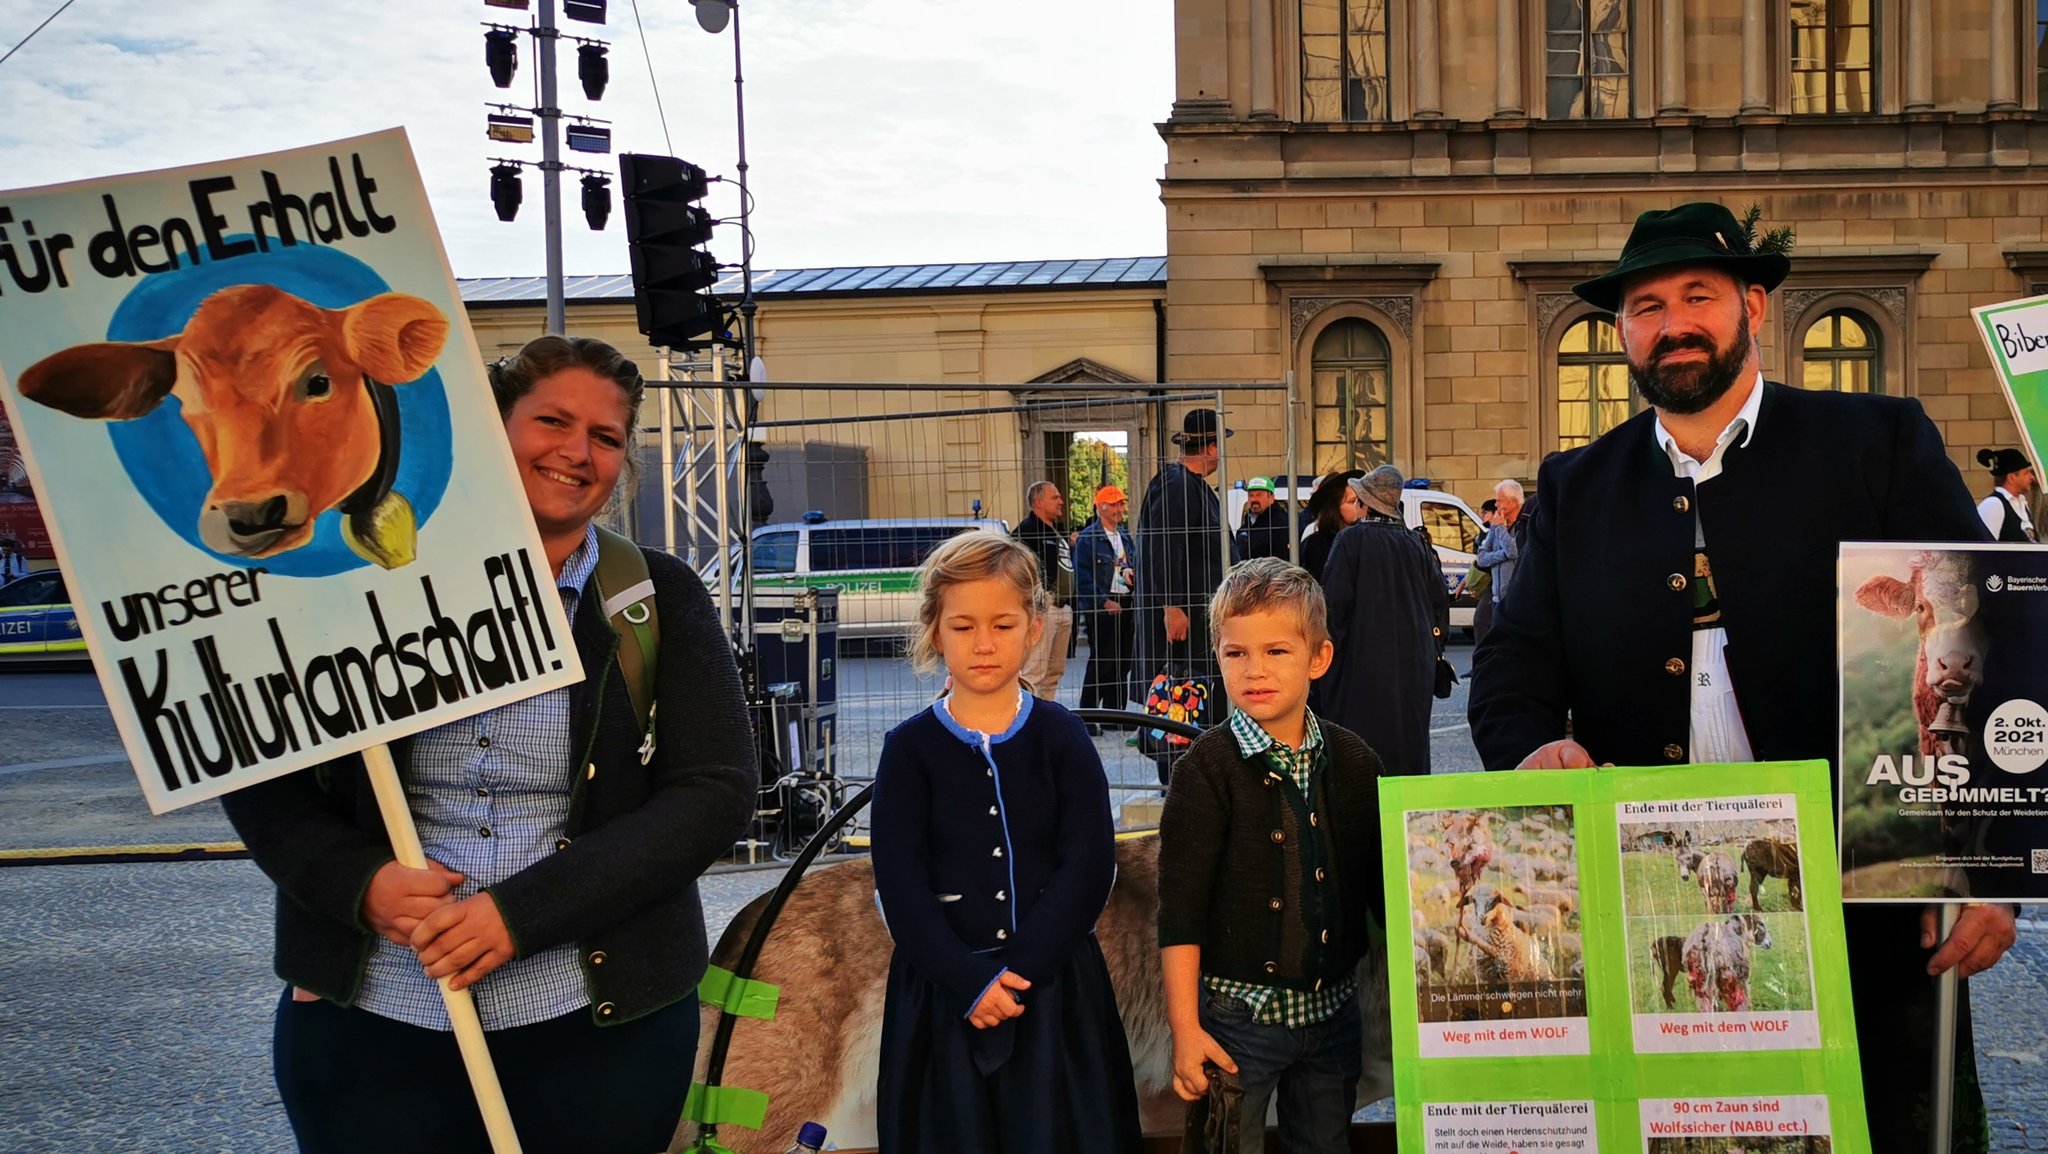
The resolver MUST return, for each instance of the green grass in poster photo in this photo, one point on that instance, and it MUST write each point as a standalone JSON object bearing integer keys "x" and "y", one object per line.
{"x": 1652, "y": 883}
{"x": 1780, "y": 976}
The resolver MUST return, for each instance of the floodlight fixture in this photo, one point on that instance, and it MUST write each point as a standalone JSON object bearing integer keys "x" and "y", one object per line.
{"x": 593, "y": 69}
{"x": 597, "y": 200}
{"x": 509, "y": 128}
{"x": 588, "y": 11}
{"x": 522, "y": 5}
{"x": 588, "y": 138}
{"x": 505, "y": 190}
{"x": 501, "y": 55}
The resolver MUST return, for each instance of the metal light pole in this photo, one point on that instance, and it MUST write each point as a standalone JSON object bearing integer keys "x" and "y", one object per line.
{"x": 551, "y": 165}
{"x": 712, "y": 16}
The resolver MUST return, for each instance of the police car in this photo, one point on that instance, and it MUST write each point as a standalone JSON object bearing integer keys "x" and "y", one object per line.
{"x": 873, "y": 563}
{"x": 37, "y": 622}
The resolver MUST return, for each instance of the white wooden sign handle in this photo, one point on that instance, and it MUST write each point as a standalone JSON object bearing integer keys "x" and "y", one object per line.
{"x": 469, "y": 1031}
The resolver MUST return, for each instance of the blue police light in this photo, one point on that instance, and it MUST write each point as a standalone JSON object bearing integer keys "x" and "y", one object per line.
{"x": 814, "y": 516}
{"x": 1417, "y": 483}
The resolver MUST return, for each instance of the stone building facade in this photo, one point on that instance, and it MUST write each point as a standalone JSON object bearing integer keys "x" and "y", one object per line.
{"x": 1391, "y": 198}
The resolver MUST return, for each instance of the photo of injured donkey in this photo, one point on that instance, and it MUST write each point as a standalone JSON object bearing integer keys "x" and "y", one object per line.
{"x": 1494, "y": 906}
{"x": 1714, "y": 912}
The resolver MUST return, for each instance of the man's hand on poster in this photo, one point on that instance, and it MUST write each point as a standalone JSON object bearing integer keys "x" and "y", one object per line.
{"x": 399, "y": 897}
{"x": 463, "y": 941}
{"x": 1563, "y": 753}
{"x": 1981, "y": 937}
{"x": 1176, "y": 623}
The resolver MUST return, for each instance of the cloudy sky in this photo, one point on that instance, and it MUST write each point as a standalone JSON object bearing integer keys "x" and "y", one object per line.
{"x": 878, "y": 131}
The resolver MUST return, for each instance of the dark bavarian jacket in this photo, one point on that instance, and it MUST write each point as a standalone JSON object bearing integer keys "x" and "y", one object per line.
{"x": 1238, "y": 856}
{"x": 1597, "y": 624}
{"x": 991, "y": 858}
{"x": 622, "y": 883}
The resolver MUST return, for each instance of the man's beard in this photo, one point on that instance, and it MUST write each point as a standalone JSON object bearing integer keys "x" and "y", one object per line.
{"x": 1695, "y": 386}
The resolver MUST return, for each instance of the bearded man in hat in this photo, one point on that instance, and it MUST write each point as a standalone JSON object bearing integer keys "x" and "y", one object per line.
{"x": 1264, "y": 531}
{"x": 2005, "y": 510}
{"x": 1676, "y": 600}
{"x": 1180, "y": 559}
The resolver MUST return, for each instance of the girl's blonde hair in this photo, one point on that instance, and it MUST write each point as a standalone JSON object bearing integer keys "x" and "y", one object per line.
{"x": 975, "y": 555}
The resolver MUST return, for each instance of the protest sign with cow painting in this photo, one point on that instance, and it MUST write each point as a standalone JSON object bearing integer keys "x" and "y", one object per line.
{"x": 1944, "y": 763}
{"x": 249, "y": 399}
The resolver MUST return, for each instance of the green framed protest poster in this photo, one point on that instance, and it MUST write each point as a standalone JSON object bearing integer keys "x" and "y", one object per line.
{"x": 1621, "y": 960}
{"x": 2016, "y": 333}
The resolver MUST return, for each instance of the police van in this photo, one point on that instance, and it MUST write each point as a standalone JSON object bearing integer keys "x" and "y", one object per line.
{"x": 1454, "y": 529}
{"x": 874, "y": 563}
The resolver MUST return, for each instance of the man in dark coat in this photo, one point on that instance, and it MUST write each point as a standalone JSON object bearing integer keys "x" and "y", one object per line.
{"x": 1620, "y": 628}
{"x": 1180, "y": 559}
{"x": 1387, "y": 605}
{"x": 1264, "y": 531}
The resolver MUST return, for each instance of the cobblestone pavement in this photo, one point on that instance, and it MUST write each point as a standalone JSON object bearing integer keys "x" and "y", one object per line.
{"x": 135, "y": 1000}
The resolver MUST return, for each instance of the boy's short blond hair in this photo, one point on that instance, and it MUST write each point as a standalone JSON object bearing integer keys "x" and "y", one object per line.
{"x": 1271, "y": 583}
{"x": 974, "y": 555}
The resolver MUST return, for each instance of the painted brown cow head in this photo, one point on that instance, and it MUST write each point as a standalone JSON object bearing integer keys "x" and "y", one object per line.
{"x": 279, "y": 393}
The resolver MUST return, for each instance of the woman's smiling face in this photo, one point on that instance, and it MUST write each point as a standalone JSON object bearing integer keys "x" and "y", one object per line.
{"x": 569, "y": 437}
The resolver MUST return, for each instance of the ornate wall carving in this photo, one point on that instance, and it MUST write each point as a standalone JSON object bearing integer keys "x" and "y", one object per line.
{"x": 1793, "y": 303}
{"x": 1399, "y": 309}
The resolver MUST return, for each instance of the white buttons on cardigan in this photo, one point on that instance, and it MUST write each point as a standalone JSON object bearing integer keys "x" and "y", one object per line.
{"x": 1272, "y": 967}
{"x": 605, "y": 1009}
{"x": 597, "y": 957}
{"x": 561, "y": 843}
{"x": 1675, "y": 667}
{"x": 1319, "y": 873}
{"x": 1279, "y": 836}
{"x": 1273, "y": 903}
{"x": 1674, "y": 752}
{"x": 1676, "y": 583}
{"x": 999, "y": 851}
{"x": 992, "y": 811}
{"x": 1312, "y": 818}
{"x": 1002, "y": 895}
{"x": 1326, "y": 936}
{"x": 1002, "y": 935}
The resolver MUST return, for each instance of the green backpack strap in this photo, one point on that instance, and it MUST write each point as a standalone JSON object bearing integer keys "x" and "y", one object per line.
{"x": 622, "y": 567}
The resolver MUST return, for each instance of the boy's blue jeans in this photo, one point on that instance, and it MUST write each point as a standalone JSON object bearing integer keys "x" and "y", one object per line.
{"x": 1314, "y": 1068}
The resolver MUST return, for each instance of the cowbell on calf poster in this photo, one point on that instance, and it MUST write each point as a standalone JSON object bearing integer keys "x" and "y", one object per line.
{"x": 250, "y": 402}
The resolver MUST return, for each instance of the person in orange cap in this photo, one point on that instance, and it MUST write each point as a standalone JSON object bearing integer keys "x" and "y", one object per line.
{"x": 1106, "y": 577}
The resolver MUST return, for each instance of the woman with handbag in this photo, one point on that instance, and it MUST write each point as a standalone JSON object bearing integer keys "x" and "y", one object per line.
{"x": 1388, "y": 614}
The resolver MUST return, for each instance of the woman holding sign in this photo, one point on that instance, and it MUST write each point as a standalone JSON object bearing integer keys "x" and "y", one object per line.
{"x": 565, "y": 836}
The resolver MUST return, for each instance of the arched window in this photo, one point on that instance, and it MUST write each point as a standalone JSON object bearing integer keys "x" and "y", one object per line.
{"x": 1592, "y": 382}
{"x": 1354, "y": 421}
{"x": 1832, "y": 51}
{"x": 1344, "y": 60}
{"x": 1585, "y": 59}
{"x": 1842, "y": 352}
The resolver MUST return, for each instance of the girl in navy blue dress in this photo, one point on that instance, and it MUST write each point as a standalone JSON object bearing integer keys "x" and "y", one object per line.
{"x": 994, "y": 853}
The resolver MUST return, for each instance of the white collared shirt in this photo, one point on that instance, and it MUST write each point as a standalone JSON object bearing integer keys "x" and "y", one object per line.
{"x": 1992, "y": 512}
{"x": 1718, "y": 734}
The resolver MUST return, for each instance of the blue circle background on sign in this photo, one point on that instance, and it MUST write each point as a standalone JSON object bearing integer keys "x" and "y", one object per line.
{"x": 163, "y": 458}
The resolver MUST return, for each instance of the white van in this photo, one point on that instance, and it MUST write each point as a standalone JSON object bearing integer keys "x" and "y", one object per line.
{"x": 1454, "y": 530}
{"x": 873, "y": 562}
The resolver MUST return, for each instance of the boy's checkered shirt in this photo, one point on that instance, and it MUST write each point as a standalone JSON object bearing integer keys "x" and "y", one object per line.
{"x": 1274, "y": 1005}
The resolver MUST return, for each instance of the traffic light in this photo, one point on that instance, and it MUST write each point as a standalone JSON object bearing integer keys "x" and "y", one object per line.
{"x": 666, "y": 232}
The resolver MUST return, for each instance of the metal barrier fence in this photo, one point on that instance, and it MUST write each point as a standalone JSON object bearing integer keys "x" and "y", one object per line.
{"x": 773, "y": 491}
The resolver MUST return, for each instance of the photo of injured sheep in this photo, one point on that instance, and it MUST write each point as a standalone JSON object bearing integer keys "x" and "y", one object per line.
{"x": 1494, "y": 906}
{"x": 1714, "y": 913}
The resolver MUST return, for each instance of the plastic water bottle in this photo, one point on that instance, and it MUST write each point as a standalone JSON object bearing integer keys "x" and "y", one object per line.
{"x": 810, "y": 1138}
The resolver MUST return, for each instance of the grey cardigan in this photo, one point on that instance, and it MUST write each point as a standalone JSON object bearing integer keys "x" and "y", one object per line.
{"x": 622, "y": 883}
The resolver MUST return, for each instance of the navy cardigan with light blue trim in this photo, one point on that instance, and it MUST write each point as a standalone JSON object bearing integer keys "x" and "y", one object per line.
{"x": 991, "y": 857}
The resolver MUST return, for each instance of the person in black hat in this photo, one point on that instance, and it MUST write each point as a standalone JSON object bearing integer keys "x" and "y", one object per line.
{"x": 1181, "y": 559}
{"x": 1676, "y": 601}
{"x": 2005, "y": 510}
{"x": 1331, "y": 507}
